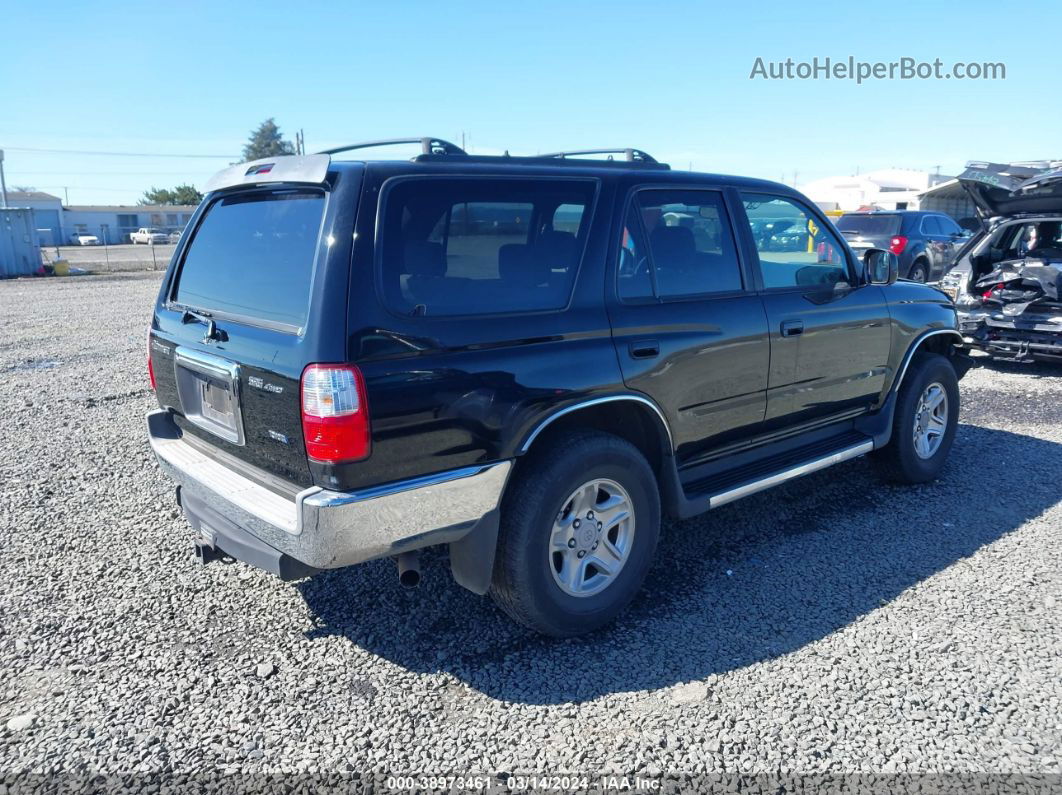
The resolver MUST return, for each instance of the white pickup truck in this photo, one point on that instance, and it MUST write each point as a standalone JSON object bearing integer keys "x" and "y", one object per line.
{"x": 149, "y": 235}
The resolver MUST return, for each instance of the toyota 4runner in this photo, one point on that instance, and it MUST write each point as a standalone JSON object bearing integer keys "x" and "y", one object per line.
{"x": 527, "y": 359}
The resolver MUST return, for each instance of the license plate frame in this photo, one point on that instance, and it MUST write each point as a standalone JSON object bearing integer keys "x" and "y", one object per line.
{"x": 209, "y": 391}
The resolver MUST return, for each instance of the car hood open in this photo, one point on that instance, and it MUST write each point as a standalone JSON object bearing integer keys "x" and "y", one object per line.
{"x": 1000, "y": 190}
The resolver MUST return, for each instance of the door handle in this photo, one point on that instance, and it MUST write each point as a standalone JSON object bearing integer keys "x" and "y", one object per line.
{"x": 644, "y": 349}
{"x": 792, "y": 328}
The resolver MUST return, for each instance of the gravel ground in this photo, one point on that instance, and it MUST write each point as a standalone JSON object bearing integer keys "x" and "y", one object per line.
{"x": 834, "y": 625}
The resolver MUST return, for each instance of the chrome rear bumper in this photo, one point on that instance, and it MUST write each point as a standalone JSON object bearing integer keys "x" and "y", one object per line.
{"x": 328, "y": 529}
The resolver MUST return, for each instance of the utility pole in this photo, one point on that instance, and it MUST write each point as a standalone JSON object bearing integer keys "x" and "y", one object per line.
{"x": 3, "y": 185}
{"x": 66, "y": 193}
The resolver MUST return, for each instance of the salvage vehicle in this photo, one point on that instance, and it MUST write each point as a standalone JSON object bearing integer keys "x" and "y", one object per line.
{"x": 528, "y": 360}
{"x": 925, "y": 242}
{"x": 1007, "y": 280}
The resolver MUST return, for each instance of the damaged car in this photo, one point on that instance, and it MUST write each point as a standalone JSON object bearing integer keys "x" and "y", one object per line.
{"x": 1007, "y": 280}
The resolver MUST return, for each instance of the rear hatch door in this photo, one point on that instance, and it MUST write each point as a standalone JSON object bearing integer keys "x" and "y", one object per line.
{"x": 234, "y": 328}
{"x": 868, "y": 230}
{"x": 998, "y": 190}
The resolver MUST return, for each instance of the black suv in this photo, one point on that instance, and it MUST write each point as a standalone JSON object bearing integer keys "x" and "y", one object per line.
{"x": 926, "y": 243}
{"x": 528, "y": 359}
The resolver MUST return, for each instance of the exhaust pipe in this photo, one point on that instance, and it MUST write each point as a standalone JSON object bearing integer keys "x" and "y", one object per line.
{"x": 409, "y": 569}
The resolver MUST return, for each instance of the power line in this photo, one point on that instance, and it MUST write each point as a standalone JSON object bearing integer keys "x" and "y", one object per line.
{"x": 114, "y": 154}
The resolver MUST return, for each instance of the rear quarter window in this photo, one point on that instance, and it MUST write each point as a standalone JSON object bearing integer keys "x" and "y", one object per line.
{"x": 464, "y": 246}
{"x": 252, "y": 256}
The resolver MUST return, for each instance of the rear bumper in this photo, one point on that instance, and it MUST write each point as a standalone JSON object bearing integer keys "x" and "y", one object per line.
{"x": 321, "y": 529}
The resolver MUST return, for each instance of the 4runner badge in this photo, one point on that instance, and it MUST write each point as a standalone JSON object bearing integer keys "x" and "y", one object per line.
{"x": 258, "y": 383}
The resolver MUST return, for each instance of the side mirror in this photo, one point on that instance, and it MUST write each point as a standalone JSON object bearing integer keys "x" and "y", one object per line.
{"x": 880, "y": 266}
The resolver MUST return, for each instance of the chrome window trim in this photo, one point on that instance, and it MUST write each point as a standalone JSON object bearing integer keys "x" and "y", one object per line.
{"x": 595, "y": 402}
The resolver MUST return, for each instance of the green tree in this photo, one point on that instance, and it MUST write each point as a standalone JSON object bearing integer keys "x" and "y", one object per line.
{"x": 267, "y": 141}
{"x": 182, "y": 194}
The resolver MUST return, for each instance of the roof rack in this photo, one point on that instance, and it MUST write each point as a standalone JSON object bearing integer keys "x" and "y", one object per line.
{"x": 428, "y": 146}
{"x": 629, "y": 154}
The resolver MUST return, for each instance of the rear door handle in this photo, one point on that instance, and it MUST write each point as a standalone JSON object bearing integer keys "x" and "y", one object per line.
{"x": 644, "y": 349}
{"x": 792, "y": 328}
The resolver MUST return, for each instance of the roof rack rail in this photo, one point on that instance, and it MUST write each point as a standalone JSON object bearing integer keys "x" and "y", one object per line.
{"x": 428, "y": 146}
{"x": 629, "y": 154}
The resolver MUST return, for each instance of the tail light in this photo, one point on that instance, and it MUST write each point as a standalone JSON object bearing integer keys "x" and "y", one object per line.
{"x": 335, "y": 413}
{"x": 898, "y": 244}
{"x": 151, "y": 367}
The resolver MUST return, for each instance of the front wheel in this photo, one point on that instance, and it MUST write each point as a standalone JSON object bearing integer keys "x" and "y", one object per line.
{"x": 923, "y": 428}
{"x": 579, "y": 527}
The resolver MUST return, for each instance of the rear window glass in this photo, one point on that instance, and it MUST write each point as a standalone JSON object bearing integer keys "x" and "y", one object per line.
{"x": 869, "y": 225}
{"x": 482, "y": 246}
{"x": 252, "y": 256}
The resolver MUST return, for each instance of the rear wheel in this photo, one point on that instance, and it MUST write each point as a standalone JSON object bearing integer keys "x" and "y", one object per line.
{"x": 919, "y": 271}
{"x": 579, "y": 527}
{"x": 923, "y": 429}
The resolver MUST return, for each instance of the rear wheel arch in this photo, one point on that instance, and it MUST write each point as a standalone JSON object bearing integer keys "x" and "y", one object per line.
{"x": 630, "y": 417}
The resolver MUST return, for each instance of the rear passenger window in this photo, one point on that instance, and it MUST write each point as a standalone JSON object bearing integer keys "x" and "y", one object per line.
{"x": 931, "y": 225}
{"x": 679, "y": 242}
{"x": 482, "y": 246}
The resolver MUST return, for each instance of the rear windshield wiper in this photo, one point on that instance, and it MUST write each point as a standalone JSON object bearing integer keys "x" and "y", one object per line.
{"x": 213, "y": 332}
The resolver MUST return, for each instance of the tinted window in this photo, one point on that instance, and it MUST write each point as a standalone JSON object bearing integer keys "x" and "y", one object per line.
{"x": 482, "y": 246}
{"x": 690, "y": 245}
{"x": 794, "y": 249}
{"x": 253, "y": 255}
{"x": 930, "y": 225}
{"x": 948, "y": 226}
{"x": 633, "y": 280}
{"x": 867, "y": 225}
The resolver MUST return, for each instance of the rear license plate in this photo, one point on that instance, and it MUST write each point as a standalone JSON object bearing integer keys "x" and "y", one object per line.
{"x": 208, "y": 387}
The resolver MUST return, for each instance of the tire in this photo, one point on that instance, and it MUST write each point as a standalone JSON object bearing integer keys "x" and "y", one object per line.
{"x": 919, "y": 271}
{"x": 902, "y": 461}
{"x": 539, "y": 505}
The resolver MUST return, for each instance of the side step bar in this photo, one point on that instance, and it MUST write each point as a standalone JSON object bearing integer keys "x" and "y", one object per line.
{"x": 795, "y": 471}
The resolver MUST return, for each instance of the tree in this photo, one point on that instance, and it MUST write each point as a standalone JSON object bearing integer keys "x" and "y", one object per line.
{"x": 182, "y": 194}
{"x": 266, "y": 141}
{"x": 23, "y": 188}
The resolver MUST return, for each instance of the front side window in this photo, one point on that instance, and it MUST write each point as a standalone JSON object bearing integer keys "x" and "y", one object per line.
{"x": 794, "y": 249}
{"x": 677, "y": 244}
{"x": 482, "y": 246}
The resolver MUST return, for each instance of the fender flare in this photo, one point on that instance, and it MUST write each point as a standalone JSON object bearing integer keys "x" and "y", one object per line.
{"x": 912, "y": 349}
{"x": 543, "y": 424}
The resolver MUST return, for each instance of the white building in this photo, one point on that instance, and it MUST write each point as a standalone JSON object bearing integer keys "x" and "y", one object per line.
{"x": 113, "y": 223}
{"x": 56, "y": 224}
{"x": 885, "y": 189}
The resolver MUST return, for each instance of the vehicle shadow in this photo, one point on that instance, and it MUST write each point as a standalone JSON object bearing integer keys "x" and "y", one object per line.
{"x": 745, "y": 583}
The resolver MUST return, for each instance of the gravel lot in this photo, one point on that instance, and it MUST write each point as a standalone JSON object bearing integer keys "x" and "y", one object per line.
{"x": 833, "y": 625}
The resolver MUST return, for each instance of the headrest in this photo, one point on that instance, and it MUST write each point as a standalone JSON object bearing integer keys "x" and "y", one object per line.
{"x": 424, "y": 259}
{"x": 672, "y": 244}
{"x": 557, "y": 249}
{"x": 519, "y": 265}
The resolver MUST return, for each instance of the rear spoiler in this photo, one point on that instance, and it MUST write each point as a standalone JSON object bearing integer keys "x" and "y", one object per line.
{"x": 307, "y": 169}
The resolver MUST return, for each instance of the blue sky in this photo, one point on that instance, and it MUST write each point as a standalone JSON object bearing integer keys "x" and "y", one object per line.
{"x": 194, "y": 78}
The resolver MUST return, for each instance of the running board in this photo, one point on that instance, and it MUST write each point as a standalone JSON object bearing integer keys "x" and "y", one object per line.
{"x": 796, "y": 471}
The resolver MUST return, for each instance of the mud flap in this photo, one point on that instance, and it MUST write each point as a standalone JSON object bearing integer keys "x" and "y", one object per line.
{"x": 472, "y": 556}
